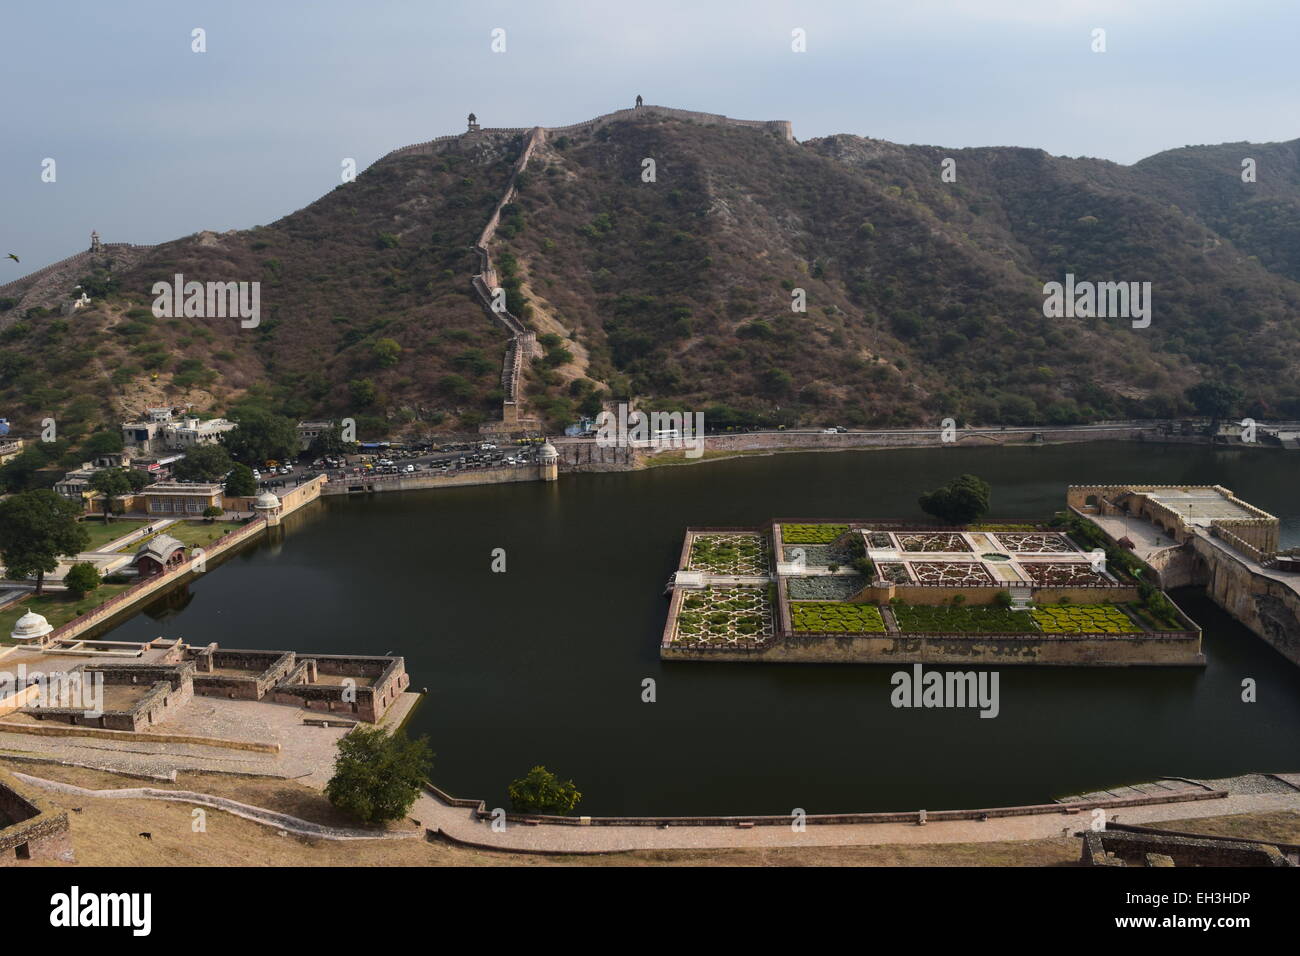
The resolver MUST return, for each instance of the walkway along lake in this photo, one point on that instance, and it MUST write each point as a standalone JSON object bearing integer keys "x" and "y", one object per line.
{"x": 544, "y": 663}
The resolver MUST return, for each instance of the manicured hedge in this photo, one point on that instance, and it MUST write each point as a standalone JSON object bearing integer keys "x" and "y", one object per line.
{"x": 1083, "y": 619}
{"x": 923, "y": 619}
{"x": 811, "y": 533}
{"x": 836, "y": 616}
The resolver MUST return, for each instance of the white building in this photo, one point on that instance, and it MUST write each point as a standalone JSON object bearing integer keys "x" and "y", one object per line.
{"x": 192, "y": 430}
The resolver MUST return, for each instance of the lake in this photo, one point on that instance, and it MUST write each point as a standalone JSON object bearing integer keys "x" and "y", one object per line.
{"x": 544, "y": 664}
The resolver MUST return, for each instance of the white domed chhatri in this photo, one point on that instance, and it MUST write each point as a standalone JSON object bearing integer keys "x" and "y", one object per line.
{"x": 548, "y": 462}
{"x": 268, "y": 506}
{"x": 29, "y": 628}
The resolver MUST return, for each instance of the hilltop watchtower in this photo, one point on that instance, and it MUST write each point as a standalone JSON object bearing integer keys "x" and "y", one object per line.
{"x": 639, "y": 101}
{"x": 95, "y": 245}
{"x": 473, "y": 124}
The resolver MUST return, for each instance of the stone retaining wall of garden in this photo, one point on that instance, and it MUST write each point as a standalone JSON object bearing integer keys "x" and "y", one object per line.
{"x": 1065, "y": 650}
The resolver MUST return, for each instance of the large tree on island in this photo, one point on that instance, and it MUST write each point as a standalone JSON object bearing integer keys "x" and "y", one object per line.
{"x": 207, "y": 462}
{"x": 959, "y": 502}
{"x": 36, "y": 527}
{"x": 378, "y": 775}
{"x": 259, "y": 437}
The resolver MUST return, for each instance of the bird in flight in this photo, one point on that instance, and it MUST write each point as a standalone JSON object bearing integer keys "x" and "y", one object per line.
{"x": 13, "y": 257}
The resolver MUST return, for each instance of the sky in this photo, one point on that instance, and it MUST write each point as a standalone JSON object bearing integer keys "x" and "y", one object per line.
{"x": 152, "y": 140}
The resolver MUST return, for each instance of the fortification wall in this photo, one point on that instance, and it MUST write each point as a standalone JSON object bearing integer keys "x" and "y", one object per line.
{"x": 418, "y": 482}
{"x": 1269, "y": 606}
{"x": 30, "y": 286}
{"x": 122, "y": 602}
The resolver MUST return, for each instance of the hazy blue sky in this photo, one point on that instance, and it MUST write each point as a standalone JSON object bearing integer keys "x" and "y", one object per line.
{"x": 153, "y": 141}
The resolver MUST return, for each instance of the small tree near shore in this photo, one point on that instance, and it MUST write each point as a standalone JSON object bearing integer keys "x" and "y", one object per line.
{"x": 82, "y": 578}
{"x": 378, "y": 775}
{"x": 542, "y": 792}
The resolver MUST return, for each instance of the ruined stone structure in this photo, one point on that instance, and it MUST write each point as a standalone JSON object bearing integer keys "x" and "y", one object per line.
{"x": 357, "y": 686}
{"x": 136, "y": 696}
{"x": 1152, "y": 848}
{"x": 29, "y": 830}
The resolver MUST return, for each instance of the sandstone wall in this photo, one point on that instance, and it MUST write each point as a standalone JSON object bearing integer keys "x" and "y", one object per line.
{"x": 987, "y": 650}
{"x": 1267, "y": 606}
{"x": 418, "y": 482}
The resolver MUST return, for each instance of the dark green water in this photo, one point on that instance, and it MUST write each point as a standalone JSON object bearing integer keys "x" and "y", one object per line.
{"x": 544, "y": 663}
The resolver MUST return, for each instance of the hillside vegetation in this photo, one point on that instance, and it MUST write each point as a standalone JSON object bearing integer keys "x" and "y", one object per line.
{"x": 924, "y": 297}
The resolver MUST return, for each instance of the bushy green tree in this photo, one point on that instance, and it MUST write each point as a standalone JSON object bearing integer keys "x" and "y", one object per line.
{"x": 330, "y": 442}
{"x": 208, "y": 462}
{"x": 378, "y": 775}
{"x": 111, "y": 482}
{"x": 241, "y": 482}
{"x": 261, "y": 436}
{"x": 1215, "y": 400}
{"x": 542, "y": 792}
{"x": 36, "y": 527}
{"x": 959, "y": 502}
{"x": 82, "y": 578}
{"x": 386, "y": 352}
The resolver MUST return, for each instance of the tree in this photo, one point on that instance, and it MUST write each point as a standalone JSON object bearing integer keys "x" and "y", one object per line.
{"x": 111, "y": 482}
{"x": 329, "y": 441}
{"x": 208, "y": 462}
{"x": 212, "y": 511}
{"x": 261, "y": 436}
{"x": 378, "y": 775}
{"x": 82, "y": 578}
{"x": 542, "y": 792}
{"x": 1215, "y": 400}
{"x": 17, "y": 473}
{"x": 36, "y": 527}
{"x": 241, "y": 483}
{"x": 102, "y": 443}
{"x": 363, "y": 391}
{"x": 386, "y": 352}
{"x": 959, "y": 502}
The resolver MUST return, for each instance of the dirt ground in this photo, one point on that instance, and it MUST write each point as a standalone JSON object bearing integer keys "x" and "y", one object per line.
{"x": 108, "y": 833}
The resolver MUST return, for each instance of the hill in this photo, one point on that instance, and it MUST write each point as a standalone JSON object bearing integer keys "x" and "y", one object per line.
{"x": 924, "y": 297}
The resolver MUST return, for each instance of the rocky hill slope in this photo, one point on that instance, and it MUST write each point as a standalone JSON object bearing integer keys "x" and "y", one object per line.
{"x": 923, "y": 296}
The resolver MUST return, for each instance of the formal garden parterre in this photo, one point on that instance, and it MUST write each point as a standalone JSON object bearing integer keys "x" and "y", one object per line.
{"x": 904, "y": 586}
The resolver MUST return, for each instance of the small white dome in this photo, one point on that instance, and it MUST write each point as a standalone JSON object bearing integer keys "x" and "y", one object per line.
{"x": 29, "y": 627}
{"x": 266, "y": 501}
{"x": 547, "y": 451}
